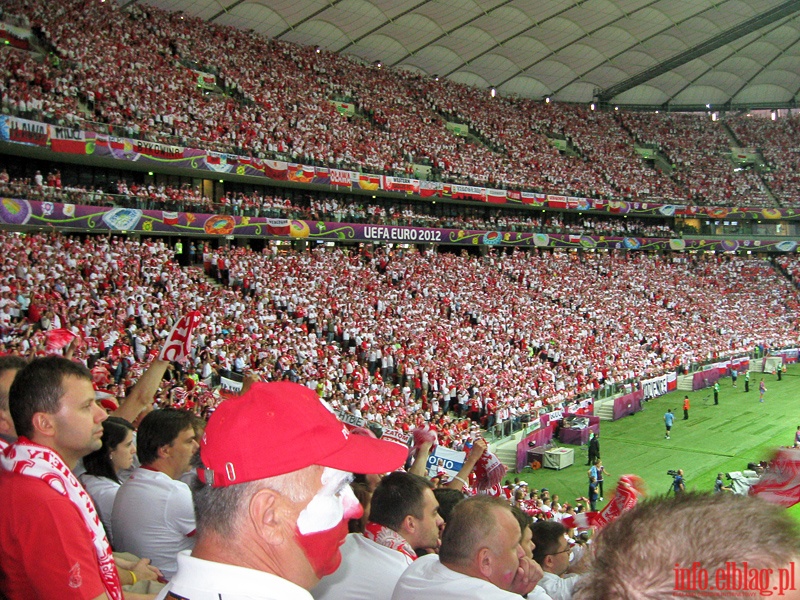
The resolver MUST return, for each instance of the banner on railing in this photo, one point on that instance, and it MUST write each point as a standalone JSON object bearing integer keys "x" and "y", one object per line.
{"x": 22, "y": 131}
{"x": 655, "y": 387}
{"x": 230, "y": 385}
{"x": 67, "y": 139}
{"x": 447, "y": 460}
{"x": 400, "y": 184}
{"x": 144, "y": 153}
{"x": 15, "y": 211}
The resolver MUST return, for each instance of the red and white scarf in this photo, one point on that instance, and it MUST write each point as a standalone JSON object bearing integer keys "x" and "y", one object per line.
{"x": 27, "y": 458}
{"x": 389, "y": 538}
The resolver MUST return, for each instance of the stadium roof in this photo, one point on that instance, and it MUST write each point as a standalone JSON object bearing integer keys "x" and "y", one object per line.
{"x": 735, "y": 53}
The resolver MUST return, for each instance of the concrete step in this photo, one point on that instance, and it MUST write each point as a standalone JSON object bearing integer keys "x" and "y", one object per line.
{"x": 685, "y": 383}
{"x": 604, "y": 409}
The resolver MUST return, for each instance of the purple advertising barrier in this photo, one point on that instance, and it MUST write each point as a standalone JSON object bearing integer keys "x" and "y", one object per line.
{"x": 541, "y": 437}
{"x": 34, "y": 213}
{"x": 704, "y": 379}
{"x": 628, "y": 404}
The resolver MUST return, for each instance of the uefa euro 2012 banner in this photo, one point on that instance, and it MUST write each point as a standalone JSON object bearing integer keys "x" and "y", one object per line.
{"x": 30, "y": 213}
{"x": 72, "y": 140}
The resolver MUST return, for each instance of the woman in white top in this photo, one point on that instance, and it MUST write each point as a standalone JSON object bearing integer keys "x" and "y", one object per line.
{"x": 102, "y": 466}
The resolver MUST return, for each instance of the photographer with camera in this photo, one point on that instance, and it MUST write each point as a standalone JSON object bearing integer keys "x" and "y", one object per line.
{"x": 719, "y": 485}
{"x": 678, "y": 486}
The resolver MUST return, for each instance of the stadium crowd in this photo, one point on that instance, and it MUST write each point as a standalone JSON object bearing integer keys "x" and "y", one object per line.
{"x": 781, "y": 153}
{"x": 290, "y": 113}
{"x": 698, "y": 150}
{"x": 398, "y": 337}
{"x": 435, "y": 344}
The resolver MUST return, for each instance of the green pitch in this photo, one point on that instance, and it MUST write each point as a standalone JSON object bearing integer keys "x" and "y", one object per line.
{"x": 715, "y": 439}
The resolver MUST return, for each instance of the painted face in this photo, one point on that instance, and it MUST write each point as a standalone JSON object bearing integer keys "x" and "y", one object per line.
{"x": 322, "y": 525}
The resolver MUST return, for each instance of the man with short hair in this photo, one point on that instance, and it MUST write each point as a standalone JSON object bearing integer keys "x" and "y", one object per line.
{"x": 153, "y": 513}
{"x": 552, "y": 552}
{"x": 651, "y": 550}
{"x": 404, "y": 517}
{"x": 480, "y": 557}
{"x": 52, "y": 545}
{"x": 274, "y": 499}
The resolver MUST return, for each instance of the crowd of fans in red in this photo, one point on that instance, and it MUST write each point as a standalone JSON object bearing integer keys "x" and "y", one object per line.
{"x": 278, "y": 103}
{"x": 394, "y": 337}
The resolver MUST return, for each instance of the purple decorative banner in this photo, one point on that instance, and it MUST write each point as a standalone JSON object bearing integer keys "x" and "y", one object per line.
{"x": 14, "y": 211}
{"x": 88, "y": 143}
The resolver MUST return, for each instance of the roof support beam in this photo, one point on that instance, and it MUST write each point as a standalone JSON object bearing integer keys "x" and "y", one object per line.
{"x": 748, "y": 26}
{"x": 224, "y": 10}
{"x": 453, "y": 30}
{"x": 511, "y": 37}
{"x": 308, "y": 18}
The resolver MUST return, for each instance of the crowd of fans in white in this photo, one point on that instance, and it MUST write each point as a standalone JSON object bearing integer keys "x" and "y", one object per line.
{"x": 277, "y": 103}
{"x": 395, "y": 337}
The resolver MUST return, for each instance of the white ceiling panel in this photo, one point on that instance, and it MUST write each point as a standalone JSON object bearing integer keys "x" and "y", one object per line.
{"x": 537, "y": 47}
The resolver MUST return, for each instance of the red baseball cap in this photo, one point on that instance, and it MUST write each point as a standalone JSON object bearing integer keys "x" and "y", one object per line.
{"x": 278, "y": 428}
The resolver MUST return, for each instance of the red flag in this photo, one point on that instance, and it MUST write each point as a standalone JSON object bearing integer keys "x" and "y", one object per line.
{"x": 496, "y": 196}
{"x": 629, "y": 489}
{"x": 277, "y": 226}
{"x": 489, "y": 471}
{"x": 57, "y": 339}
{"x": 781, "y": 483}
{"x": 179, "y": 341}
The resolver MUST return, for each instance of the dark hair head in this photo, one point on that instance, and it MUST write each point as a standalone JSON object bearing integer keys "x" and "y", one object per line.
{"x": 15, "y": 363}
{"x": 546, "y": 537}
{"x": 523, "y": 518}
{"x": 160, "y": 428}
{"x": 98, "y": 463}
{"x": 398, "y": 495}
{"x": 38, "y": 388}
{"x": 447, "y": 498}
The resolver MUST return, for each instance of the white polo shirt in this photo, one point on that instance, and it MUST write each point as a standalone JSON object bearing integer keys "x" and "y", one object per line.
{"x": 153, "y": 518}
{"x": 368, "y": 570}
{"x": 428, "y": 578}
{"x": 103, "y": 492}
{"x": 559, "y": 588}
{"x": 199, "y": 579}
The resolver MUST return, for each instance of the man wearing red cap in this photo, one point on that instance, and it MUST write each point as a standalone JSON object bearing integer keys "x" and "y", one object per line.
{"x": 275, "y": 500}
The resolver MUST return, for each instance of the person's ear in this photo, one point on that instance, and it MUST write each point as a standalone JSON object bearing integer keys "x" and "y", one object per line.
{"x": 484, "y": 562}
{"x": 265, "y": 516}
{"x": 164, "y": 451}
{"x": 44, "y": 424}
{"x": 6, "y": 424}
